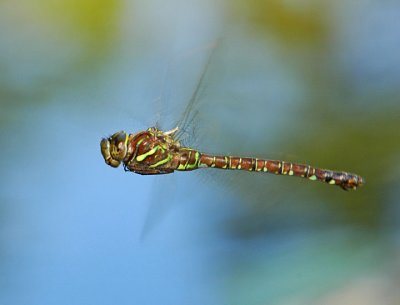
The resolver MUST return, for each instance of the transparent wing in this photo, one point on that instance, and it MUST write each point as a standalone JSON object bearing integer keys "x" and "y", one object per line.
{"x": 184, "y": 84}
{"x": 160, "y": 204}
{"x": 188, "y": 132}
{"x": 240, "y": 115}
{"x": 187, "y": 124}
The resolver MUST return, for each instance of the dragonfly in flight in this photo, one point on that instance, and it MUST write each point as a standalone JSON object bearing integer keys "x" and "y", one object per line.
{"x": 156, "y": 152}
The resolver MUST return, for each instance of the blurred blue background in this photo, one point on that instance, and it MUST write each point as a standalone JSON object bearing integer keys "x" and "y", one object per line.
{"x": 305, "y": 81}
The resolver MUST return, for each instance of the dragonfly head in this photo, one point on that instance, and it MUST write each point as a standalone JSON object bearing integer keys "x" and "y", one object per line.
{"x": 115, "y": 148}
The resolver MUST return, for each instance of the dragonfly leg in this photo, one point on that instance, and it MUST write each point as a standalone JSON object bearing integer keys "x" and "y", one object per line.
{"x": 153, "y": 172}
{"x": 148, "y": 171}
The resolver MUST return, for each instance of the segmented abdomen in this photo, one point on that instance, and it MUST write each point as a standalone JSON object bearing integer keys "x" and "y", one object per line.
{"x": 192, "y": 159}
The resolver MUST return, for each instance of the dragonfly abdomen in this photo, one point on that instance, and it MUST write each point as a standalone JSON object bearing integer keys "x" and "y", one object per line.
{"x": 278, "y": 167}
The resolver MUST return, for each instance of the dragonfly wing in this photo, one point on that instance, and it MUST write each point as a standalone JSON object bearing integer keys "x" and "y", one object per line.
{"x": 187, "y": 134}
{"x": 160, "y": 204}
{"x": 187, "y": 123}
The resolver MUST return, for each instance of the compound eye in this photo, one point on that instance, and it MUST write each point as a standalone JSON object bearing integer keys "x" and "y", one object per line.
{"x": 121, "y": 146}
{"x": 119, "y": 137}
{"x": 118, "y": 145}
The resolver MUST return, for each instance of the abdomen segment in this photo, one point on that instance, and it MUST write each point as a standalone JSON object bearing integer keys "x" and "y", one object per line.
{"x": 343, "y": 179}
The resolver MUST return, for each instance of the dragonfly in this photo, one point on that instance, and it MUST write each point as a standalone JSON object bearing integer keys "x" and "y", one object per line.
{"x": 156, "y": 152}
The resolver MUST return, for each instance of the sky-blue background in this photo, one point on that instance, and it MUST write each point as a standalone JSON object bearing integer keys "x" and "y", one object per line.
{"x": 305, "y": 81}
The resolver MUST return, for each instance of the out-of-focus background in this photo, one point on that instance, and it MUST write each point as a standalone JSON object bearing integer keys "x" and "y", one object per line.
{"x": 308, "y": 81}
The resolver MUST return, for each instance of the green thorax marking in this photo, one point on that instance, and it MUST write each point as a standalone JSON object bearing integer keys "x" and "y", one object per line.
{"x": 161, "y": 162}
{"x": 148, "y": 153}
